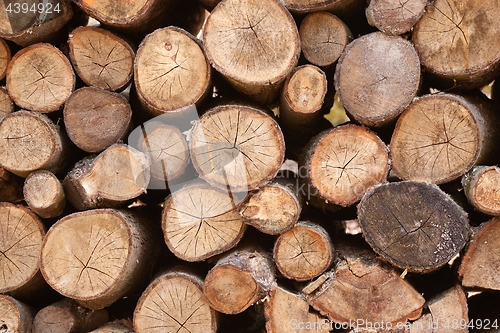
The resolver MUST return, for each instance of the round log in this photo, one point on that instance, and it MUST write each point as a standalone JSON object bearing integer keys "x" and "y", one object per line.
{"x": 5, "y": 57}
{"x": 44, "y": 194}
{"x": 377, "y": 77}
{"x": 40, "y": 78}
{"x": 418, "y": 228}
{"x": 17, "y": 317}
{"x": 254, "y": 44}
{"x": 482, "y": 188}
{"x": 6, "y": 103}
{"x": 338, "y": 7}
{"x": 394, "y": 17}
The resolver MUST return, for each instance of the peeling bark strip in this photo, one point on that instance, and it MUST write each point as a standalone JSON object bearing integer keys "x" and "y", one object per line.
{"x": 95, "y": 118}
{"x": 395, "y": 17}
{"x": 67, "y": 316}
{"x": 481, "y": 262}
{"x": 117, "y": 175}
{"x": 482, "y": 189}
{"x": 110, "y": 255}
{"x": 238, "y": 280}
{"x": 419, "y": 227}
{"x": 200, "y": 221}
{"x": 30, "y": 141}
{"x": 5, "y": 57}
{"x": 101, "y": 59}
{"x": 338, "y": 7}
{"x": 439, "y": 137}
{"x": 342, "y": 164}
{"x": 21, "y": 236}
{"x": 377, "y": 77}
{"x": 254, "y": 44}
{"x": 11, "y": 187}
{"x": 459, "y": 41}
{"x": 17, "y": 317}
{"x": 44, "y": 194}
{"x": 323, "y": 37}
{"x": 237, "y": 146}
{"x": 171, "y": 71}
{"x": 6, "y": 103}
{"x": 304, "y": 252}
{"x": 40, "y": 78}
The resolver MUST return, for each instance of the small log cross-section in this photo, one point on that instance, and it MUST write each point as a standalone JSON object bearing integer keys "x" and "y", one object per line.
{"x": 377, "y": 77}
{"x": 439, "y": 137}
{"x": 6, "y": 103}
{"x": 101, "y": 59}
{"x": 40, "y": 78}
{"x": 481, "y": 262}
{"x": 174, "y": 302}
{"x": 117, "y": 175}
{"x": 323, "y": 38}
{"x": 237, "y": 146}
{"x": 395, "y": 17}
{"x": 110, "y": 254}
{"x": 254, "y": 44}
{"x": 342, "y": 164}
{"x": 482, "y": 189}
{"x": 95, "y": 118}
{"x": 303, "y": 252}
{"x": 200, "y": 221}
{"x": 238, "y": 280}
{"x": 44, "y": 194}
{"x": 15, "y": 316}
{"x": 171, "y": 71}
{"x": 459, "y": 42}
{"x": 419, "y": 227}
{"x": 5, "y": 57}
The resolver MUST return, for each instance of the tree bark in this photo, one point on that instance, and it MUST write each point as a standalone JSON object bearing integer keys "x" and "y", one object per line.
{"x": 394, "y": 17}
{"x": 323, "y": 38}
{"x": 17, "y": 317}
{"x": 30, "y": 141}
{"x": 439, "y": 137}
{"x": 377, "y": 77}
{"x": 200, "y": 221}
{"x": 44, "y": 194}
{"x": 101, "y": 58}
{"x": 110, "y": 255}
{"x": 5, "y": 57}
{"x": 95, "y": 119}
{"x": 304, "y": 252}
{"x": 174, "y": 302}
{"x": 238, "y": 280}
{"x": 116, "y": 176}
{"x": 11, "y": 187}
{"x": 418, "y": 228}
{"x": 40, "y": 78}
{"x": 171, "y": 71}
{"x": 466, "y": 59}
{"x": 341, "y": 165}
{"x": 242, "y": 43}
{"x": 6, "y": 103}
{"x": 67, "y": 316}
{"x": 481, "y": 189}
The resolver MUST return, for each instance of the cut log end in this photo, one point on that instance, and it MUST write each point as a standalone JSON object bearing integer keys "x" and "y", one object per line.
{"x": 481, "y": 187}
{"x": 44, "y": 194}
{"x": 394, "y": 17}
{"x": 6, "y": 103}
{"x": 17, "y": 317}
{"x": 5, "y": 56}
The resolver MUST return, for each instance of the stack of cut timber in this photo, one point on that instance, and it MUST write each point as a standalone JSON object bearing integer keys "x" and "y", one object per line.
{"x": 249, "y": 166}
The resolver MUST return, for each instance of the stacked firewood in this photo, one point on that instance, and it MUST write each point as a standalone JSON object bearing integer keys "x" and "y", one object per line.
{"x": 249, "y": 166}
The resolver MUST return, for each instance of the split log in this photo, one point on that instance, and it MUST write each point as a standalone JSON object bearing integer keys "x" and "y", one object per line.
{"x": 482, "y": 188}
{"x": 20, "y": 246}
{"x": 11, "y": 187}
{"x": 254, "y": 45}
{"x": 303, "y": 252}
{"x": 481, "y": 261}
{"x": 34, "y": 21}
{"x": 17, "y": 317}
{"x": 113, "y": 328}
{"x": 30, "y": 141}
{"x": 95, "y": 118}
{"x": 101, "y": 59}
{"x": 286, "y": 311}
{"x": 394, "y": 17}
{"x": 6, "y": 103}
{"x": 174, "y": 302}
{"x": 439, "y": 137}
{"x": 341, "y": 165}
{"x": 230, "y": 147}
{"x": 338, "y": 7}
{"x": 323, "y": 38}
{"x": 275, "y": 207}
{"x": 171, "y": 71}
{"x": 5, "y": 57}
{"x": 418, "y": 228}
{"x": 40, "y": 78}
{"x": 67, "y": 316}
{"x": 358, "y": 275}
{"x": 377, "y": 77}
{"x": 115, "y": 176}
{"x": 238, "y": 280}
{"x": 44, "y": 194}
{"x": 457, "y": 44}
{"x": 200, "y": 221}
{"x": 110, "y": 255}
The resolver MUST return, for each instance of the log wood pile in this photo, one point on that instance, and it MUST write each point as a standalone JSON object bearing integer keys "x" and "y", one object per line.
{"x": 249, "y": 166}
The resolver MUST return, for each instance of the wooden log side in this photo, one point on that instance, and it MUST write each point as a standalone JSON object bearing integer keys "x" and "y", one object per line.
{"x": 6, "y": 103}
{"x": 481, "y": 187}
{"x": 394, "y": 17}
{"x": 17, "y": 317}
{"x": 44, "y": 194}
{"x": 5, "y": 57}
